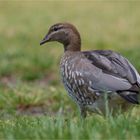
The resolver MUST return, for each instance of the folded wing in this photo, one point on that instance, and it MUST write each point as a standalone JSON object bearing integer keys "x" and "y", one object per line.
{"x": 109, "y": 71}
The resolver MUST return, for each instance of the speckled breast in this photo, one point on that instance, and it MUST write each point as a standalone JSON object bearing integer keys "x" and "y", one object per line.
{"x": 74, "y": 82}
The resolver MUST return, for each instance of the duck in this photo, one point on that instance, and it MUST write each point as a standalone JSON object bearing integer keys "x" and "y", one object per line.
{"x": 94, "y": 79}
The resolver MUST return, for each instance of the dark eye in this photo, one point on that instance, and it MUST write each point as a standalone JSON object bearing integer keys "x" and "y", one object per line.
{"x": 55, "y": 28}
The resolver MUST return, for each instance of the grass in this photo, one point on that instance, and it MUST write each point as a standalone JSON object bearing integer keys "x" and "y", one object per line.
{"x": 33, "y": 102}
{"x": 60, "y": 128}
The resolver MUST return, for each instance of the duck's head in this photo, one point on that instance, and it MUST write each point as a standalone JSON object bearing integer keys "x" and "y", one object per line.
{"x": 66, "y": 34}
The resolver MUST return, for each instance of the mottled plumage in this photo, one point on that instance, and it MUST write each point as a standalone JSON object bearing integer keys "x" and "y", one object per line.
{"x": 90, "y": 75}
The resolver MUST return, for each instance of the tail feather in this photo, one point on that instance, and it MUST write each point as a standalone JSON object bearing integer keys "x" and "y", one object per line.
{"x": 130, "y": 97}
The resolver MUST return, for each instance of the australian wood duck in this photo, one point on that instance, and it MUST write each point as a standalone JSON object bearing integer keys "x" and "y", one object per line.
{"x": 89, "y": 75}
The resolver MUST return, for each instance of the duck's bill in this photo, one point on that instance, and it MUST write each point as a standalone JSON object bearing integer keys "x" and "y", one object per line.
{"x": 46, "y": 39}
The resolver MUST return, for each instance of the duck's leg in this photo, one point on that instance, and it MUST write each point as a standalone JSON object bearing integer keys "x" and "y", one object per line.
{"x": 83, "y": 112}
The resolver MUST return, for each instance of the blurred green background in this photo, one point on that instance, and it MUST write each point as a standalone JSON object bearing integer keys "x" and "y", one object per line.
{"x": 29, "y": 74}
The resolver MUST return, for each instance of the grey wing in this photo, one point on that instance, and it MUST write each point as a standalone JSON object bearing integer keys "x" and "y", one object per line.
{"x": 112, "y": 72}
{"x": 114, "y": 64}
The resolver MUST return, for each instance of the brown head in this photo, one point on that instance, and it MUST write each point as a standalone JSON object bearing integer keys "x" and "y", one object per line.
{"x": 66, "y": 34}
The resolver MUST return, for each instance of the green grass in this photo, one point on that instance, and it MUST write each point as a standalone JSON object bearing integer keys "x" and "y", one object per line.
{"x": 33, "y": 102}
{"x": 62, "y": 128}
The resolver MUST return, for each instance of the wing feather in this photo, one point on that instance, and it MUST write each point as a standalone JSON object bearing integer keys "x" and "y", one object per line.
{"x": 113, "y": 64}
{"x": 113, "y": 72}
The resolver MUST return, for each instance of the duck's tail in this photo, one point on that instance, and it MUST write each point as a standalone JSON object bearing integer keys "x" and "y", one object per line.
{"x": 131, "y": 97}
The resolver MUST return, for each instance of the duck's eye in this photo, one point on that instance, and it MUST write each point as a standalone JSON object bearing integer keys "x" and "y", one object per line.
{"x": 55, "y": 28}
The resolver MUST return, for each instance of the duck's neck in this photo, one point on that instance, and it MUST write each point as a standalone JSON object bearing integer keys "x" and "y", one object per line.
{"x": 74, "y": 44}
{"x": 72, "y": 47}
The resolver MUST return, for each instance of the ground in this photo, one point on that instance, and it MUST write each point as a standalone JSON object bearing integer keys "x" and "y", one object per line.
{"x": 33, "y": 102}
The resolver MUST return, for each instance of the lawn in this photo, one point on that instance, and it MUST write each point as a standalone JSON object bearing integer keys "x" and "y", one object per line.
{"x": 33, "y": 102}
